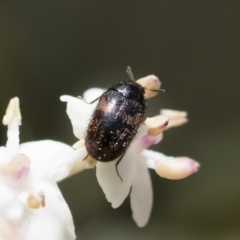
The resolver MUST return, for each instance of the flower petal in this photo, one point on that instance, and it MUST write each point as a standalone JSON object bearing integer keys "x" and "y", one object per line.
{"x": 171, "y": 167}
{"x": 3, "y": 156}
{"x": 143, "y": 140}
{"x": 12, "y": 210}
{"x": 115, "y": 189}
{"x": 141, "y": 196}
{"x": 75, "y": 158}
{"x": 53, "y": 220}
{"x": 8, "y": 231}
{"x": 12, "y": 119}
{"x": 7, "y": 197}
{"x": 17, "y": 172}
{"x": 79, "y": 113}
{"x": 51, "y": 157}
{"x": 92, "y": 94}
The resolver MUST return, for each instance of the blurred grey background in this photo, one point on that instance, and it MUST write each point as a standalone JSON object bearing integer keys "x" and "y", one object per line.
{"x": 49, "y": 48}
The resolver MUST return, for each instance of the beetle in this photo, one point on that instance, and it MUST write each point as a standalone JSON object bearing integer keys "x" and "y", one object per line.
{"x": 115, "y": 121}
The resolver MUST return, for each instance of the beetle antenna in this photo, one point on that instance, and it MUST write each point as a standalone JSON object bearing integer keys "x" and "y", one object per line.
{"x": 129, "y": 73}
{"x": 155, "y": 90}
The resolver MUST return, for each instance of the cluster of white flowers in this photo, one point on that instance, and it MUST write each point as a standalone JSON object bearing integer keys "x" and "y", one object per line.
{"x": 31, "y": 204}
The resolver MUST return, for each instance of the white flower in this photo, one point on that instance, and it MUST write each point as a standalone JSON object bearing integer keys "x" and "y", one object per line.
{"x": 31, "y": 204}
{"x": 133, "y": 167}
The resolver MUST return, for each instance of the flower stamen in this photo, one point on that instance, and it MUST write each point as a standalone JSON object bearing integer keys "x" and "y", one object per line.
{"x": 12, "y": 111}
{"x": 156, "y": 125}
{"x": 36, "y": 201}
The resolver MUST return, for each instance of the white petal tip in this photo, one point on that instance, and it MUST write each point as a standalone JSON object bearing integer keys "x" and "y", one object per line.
{"x": 116, "y": 205}
{"x": 176, "y": 168}
{"x": 92, "y": 94}
{"x": 65, "y": 98}
{"x": 173, "y": 113}
{"x": 13, "y": 111}
{"x": 140, "y": 224}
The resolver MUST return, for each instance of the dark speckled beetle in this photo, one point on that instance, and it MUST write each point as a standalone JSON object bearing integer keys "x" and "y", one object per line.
{"x": 115, "y": 121}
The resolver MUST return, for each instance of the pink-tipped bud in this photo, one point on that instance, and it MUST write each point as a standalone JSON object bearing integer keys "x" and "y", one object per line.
{"x": 176, "y": 168}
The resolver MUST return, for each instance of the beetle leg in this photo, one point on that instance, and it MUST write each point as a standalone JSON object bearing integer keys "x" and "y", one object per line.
{"x": 80, "y": 97}
{"x": 94, "y": 100}
{"x": 116, "y": 165}
{"x": 85, "y": 157}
